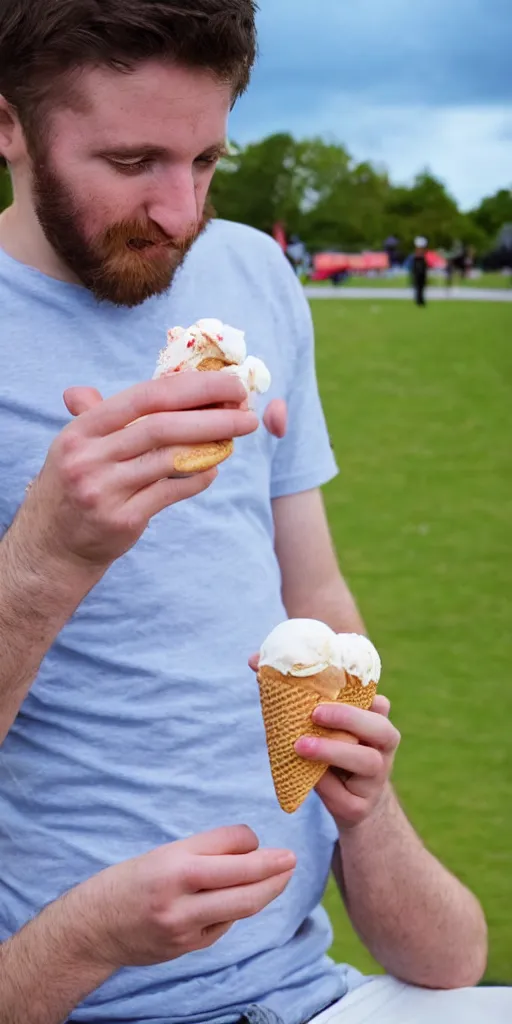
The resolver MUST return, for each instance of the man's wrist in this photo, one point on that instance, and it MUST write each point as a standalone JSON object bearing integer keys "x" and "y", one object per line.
{"x": 380, "y": 813}
{"x": 33, "y": 568}
{"x": 83, "y": 918}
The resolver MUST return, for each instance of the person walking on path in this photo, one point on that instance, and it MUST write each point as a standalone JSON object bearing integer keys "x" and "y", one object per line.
{"x": 419, "y": 270}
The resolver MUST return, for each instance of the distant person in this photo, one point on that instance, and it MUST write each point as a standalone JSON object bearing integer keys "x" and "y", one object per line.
{"x": 469, "y": 261}
{"x": 449, "y": 271}
{"x": 419, "y": 270}
{"x": 391, "y": 247}
{"x": 297, "y": 254}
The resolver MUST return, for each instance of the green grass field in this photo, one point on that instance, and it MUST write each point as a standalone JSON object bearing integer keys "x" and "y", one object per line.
{"x": 419, "y": 409}
{"x": 494, "y": 281}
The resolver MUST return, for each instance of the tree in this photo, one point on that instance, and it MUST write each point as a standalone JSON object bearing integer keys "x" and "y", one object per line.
{"x": 424, "y": 209}
{"x": 257, "y": 185}
{"x": 351, "y": 215}
{"x": 278, "y": 179}
{"x": 493, "y": 213}
{"x": 5, "y": 189}
{"x": 331, "y": 201}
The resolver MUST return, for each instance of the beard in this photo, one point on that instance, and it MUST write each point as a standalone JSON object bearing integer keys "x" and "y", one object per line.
{"x": 126, "y": 263}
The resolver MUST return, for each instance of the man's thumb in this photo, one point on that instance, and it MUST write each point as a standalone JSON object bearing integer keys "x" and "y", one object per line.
{"x": 79, "y": 400}
{"x": 276, "y": 417}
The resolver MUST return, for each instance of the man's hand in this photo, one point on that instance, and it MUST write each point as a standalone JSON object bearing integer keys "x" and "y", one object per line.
{"x": 360, "y": 773}
{"x": 111, "y": 469}
{"x": 79, "y": 400}
{"x": 180, "y": 898}
{"x": 158, "y": 907}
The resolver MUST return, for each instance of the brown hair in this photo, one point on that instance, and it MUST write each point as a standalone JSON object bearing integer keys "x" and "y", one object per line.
{"x": 42, "y": 40}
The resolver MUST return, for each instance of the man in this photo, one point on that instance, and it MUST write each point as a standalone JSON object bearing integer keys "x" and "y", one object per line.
{"x": 419, "y": 270}
{"x": 133, "y": 745}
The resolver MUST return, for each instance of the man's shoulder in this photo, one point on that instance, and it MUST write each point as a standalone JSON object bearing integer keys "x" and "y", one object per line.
{"x": 247, "y": 243}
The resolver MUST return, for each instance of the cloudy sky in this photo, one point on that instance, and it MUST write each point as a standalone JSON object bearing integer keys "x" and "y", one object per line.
{"x": 407, "y": 83}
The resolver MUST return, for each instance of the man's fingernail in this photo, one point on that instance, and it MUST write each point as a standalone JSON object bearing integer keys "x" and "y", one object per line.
{"x": 286, "y": 861}
{"x": 323, "y": 714}
{"x": 306, "y": 745}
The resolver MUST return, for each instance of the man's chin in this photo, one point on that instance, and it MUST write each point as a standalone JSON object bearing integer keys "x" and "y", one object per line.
{"x": 119, "y": 295}
{"x": 131, "y": 287}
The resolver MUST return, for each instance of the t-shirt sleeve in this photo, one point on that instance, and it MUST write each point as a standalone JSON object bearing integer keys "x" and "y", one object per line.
{"x": 304, "y": 458}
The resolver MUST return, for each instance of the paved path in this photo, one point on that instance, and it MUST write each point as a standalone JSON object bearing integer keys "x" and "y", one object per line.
{"x": 433, "y": 295}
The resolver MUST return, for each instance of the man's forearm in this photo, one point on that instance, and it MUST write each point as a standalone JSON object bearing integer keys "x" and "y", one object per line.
{"x": 49, "y": 967}
{"x": 416, "y": 918}
{"x": 333, "y": 604}
{"x": 37, "y": 597}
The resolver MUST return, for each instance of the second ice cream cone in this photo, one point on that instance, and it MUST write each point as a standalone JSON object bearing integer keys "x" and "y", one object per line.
{"x": 288, "y": 699}
{"x": 288, "y": 705}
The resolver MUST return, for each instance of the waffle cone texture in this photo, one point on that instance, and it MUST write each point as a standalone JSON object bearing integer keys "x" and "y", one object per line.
{"x": 287, "y": 704}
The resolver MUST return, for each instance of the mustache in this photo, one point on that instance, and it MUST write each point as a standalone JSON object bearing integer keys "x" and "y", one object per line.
{"x": 137, "y": 236}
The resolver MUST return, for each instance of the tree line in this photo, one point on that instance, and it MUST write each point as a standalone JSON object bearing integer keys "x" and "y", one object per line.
{"x": 331, "y": 201}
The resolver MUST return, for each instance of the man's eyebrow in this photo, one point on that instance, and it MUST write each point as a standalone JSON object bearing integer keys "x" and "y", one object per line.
{"x": 132, "y": 152}
{"x": 219, "y": 149}
{"x": 145, "y": 151}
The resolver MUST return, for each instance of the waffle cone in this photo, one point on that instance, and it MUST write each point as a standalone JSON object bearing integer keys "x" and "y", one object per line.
{"x": 213, "y": 364}
{"x": 204, "y": 456}
{"x": 288, "y": 703}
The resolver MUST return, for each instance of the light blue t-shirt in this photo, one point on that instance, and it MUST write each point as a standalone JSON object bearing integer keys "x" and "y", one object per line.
{"x": 144, "y": 725}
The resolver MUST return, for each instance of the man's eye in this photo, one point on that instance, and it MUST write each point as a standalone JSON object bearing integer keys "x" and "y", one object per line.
{"x": 207, "y": 161}
{"x": 131, "y": 166}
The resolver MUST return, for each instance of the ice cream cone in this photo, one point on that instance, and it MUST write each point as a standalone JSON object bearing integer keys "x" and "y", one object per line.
{"x": 303, "y": 663}
{"x": 288, "y": 704}
{"x": 205, "y": 456}
{"x": 210, "y": 345}
{"x": 213, "y": 364}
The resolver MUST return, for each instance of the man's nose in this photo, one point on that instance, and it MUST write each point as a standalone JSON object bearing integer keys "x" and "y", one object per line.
{"x": 174, "y": 208}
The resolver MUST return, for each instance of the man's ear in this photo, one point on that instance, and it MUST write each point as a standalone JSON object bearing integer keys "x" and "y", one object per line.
{"x": 12, "y": 139}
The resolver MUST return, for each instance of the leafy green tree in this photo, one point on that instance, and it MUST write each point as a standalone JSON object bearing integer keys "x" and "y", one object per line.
{"x": 5, "y": 189}
{"x": 424, "y": 209}
{"x": 352, "y": 214}
{"x": 257, "y": 185}
{"x": 493, "y": 213}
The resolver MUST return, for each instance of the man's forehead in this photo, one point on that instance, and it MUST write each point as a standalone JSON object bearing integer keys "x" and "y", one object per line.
{"x": 155, "y": 96}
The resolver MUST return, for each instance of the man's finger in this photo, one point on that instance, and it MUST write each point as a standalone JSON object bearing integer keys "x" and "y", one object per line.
{"x": 223, "y": 872}
{"x": 371, "y": 728}
{"x": 254, "y": 661}
{"x": 276, "y": 417}
{"x": 355, "y": 759}
{"x": 240, "y": 902}
{"x": 172, "y": 429}
{"x": 154, "y": 499}
{"x": 381, "y": 706}
{"x": 232, "y": 839}
{"x": 80, "y": 400}
{"x": 168, "y": 394}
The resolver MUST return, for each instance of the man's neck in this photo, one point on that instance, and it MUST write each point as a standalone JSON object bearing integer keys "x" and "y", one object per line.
{"x": 21, "y": 238}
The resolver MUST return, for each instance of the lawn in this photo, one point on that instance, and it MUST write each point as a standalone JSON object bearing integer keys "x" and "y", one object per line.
{"x": 418, "y": 404}
{"x": 494, "y": 281}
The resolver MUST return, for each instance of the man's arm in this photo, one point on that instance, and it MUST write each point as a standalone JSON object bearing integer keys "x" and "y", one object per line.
{"x": 38, "y": 594}
{"x": 98, "y": 489}
{"x": 312, "y": 584}
{"x": 416, "y": 918}
{"x": 418, "y": 921}
{"x": 48, "y": 968}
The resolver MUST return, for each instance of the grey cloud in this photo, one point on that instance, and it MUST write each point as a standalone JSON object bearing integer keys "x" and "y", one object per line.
{"x": 390, "y": 51}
